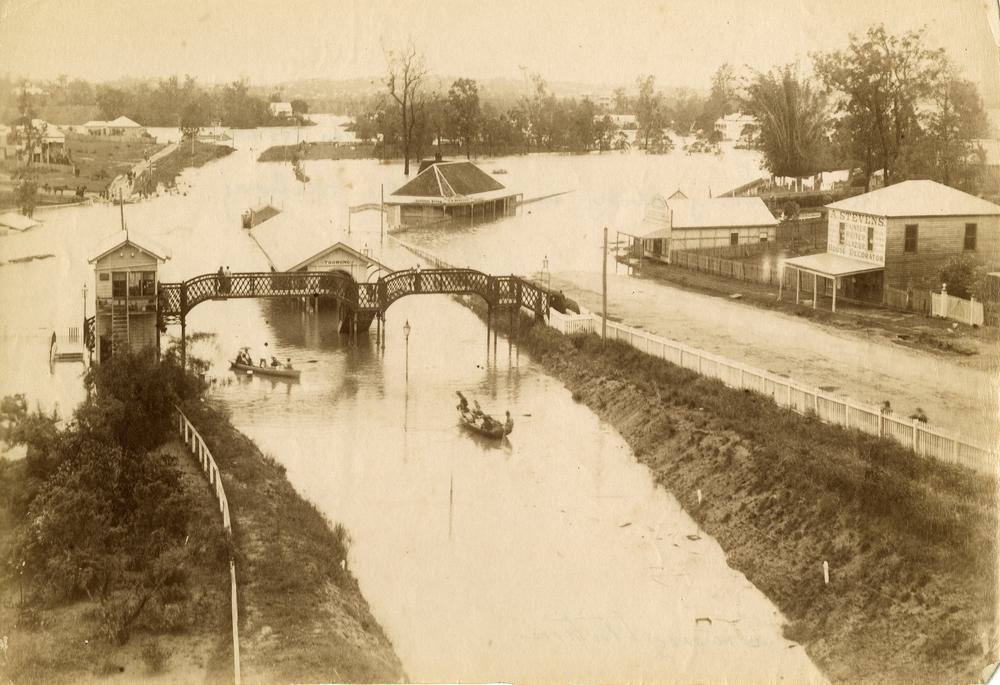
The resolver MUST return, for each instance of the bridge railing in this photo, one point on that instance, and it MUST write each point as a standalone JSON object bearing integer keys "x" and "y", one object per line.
{"x": 193, "y": 439}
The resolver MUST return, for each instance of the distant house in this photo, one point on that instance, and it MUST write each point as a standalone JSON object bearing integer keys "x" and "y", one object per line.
{"x": 443, "y": 191}
{"x": 123, "y": 126}
{"x": 282, "y": 110}
{"x": 899, "y": 237}
{"x": 95, "y": 127}
{"x": 48, "y": 142}
{"x": 679, "y": 223}
{"x": 731, "y": 125}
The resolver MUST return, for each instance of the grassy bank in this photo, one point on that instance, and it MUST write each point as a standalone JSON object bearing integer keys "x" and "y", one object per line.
{"x": 167, "y": 169}
{"x": 910, "y": 542}
{"x": 303, "y": 616}
{"x": 181, "y": 636}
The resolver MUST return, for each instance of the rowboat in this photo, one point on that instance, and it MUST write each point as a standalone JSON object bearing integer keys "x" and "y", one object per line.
{"x": 265, "y": 370}
{"x": 496, "y": 429}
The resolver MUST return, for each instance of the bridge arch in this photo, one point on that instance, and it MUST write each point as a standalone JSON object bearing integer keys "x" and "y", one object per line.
{"x": 399, "y": 284}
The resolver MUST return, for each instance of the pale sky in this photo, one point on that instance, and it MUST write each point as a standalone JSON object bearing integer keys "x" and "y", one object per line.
{"x": 598, "y": 41}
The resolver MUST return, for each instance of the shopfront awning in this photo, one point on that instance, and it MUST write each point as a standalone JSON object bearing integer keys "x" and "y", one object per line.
{"x": 826, "y": 265}
{"x": 832, "y": 265}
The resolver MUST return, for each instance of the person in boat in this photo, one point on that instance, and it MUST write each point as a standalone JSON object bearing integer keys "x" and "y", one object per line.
{"x": 263, "y": 363}
{"x": 477, "y": 411}
{"x": 463, "y": 404}
{"x": 288, "y": 363}
{"x": 275, "y": 364}
{"x": 244, "y": 358}
{"x": 508, "y": 425}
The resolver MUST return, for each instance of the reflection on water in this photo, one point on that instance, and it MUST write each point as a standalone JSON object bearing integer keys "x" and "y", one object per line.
{"x": 549, "y": 557}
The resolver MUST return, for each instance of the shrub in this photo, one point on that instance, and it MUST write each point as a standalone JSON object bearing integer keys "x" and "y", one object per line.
{"x": 154, "y": 656}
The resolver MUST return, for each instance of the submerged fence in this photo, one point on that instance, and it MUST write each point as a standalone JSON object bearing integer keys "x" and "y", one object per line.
{"x": 922, "y": 438}
{"x": 199, "y": 449}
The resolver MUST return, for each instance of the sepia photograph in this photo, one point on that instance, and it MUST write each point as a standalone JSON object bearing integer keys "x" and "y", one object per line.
{"x": 530, "y": 342}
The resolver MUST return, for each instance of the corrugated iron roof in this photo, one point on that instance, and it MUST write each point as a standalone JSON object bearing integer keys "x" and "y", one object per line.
{"x": 121, "y": 238}
{"x": 917, "y": 198}
{"x": 720, "y": 212}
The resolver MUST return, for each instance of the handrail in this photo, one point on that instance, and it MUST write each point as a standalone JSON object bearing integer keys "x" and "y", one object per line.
{"x": 214, "y": 476}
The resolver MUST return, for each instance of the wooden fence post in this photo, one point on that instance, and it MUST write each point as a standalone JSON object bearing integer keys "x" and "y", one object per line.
{"x": 915, "y": 435}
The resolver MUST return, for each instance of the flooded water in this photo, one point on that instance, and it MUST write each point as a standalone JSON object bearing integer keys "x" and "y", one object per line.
{"x": 549, "y": 557}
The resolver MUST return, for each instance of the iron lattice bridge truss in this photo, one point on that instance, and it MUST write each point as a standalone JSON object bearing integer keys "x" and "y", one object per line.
{"x": 175, "y": 300}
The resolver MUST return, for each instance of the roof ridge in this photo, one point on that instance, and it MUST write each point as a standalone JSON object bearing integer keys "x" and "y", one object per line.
{"x": 446, "y": 182}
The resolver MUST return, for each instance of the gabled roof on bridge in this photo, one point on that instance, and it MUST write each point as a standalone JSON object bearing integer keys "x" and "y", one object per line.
{"x": 291, "y": 244}
{"x": 120, "y": 239}
{"x": 449, "y": 180}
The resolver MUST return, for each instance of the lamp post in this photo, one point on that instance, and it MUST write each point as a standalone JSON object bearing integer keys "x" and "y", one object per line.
{"x": 406, "y": 337}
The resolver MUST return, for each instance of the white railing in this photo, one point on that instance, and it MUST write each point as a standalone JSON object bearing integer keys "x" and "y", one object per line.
{"x": 950, "y": 307}
{"x": 922, "y": 438}
{"x": 571, "y": 323}
{"x": 199, "y": 449}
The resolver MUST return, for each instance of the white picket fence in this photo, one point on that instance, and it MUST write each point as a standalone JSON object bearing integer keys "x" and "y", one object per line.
{"x": 193, "y": 439}
{"x": 950, "y": 307}
{"x": 922, "y": 438}
{"x": 571, "y": 323}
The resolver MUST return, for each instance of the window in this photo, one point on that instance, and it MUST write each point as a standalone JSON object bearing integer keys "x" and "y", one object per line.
{"x": 763, "y": 237}
{"x": 910, "y": 239}
{"x": 734, "y": 238}
{"x": 871, "y": 238}
{"x": 970, "y": 237}
{"x": 841, "y": 234}
{"x": 118, "y": 284}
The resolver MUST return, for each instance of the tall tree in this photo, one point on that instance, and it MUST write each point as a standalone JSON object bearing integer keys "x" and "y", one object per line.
{"x": 404, "y": 81}
{"x": 943, "y": 148}
{"x": 463, "y": 108}
{"x": 792, "y": 122}
{"x": 650, "y": 113}
{"x": 111, "y": 102}
{"x": 882, "y": 78}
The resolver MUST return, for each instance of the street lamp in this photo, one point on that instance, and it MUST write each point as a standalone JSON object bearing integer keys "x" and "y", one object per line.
{"x": 406, "y": 336}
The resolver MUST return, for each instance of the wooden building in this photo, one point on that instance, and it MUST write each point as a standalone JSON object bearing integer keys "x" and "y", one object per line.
{"x": 446, "y": 191}
{"x": 680, "y": 223}
{"x": 125, "y": 275}
{"x": 899, "y": 237}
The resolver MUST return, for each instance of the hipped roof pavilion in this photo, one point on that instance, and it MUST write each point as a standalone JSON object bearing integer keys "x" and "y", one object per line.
{"x": 446, "y": 183}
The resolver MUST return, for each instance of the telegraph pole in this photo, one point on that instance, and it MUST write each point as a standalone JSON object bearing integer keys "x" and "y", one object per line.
{"x": 604, "y": 288}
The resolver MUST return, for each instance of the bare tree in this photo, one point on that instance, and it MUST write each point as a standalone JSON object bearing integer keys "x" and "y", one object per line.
{"x": 404, "y": 81}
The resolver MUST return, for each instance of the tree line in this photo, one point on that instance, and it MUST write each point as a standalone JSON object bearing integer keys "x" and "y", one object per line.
{"x": 885, "y": 104}
{"x": 168, "y": 102}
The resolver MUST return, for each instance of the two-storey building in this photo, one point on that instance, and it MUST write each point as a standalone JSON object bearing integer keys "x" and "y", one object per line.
{"x": 125, "y": 275}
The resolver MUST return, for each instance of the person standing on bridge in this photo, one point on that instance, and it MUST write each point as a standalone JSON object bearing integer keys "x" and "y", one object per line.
{"x": 229, "y": 281}
{"x": 218, "y": 280}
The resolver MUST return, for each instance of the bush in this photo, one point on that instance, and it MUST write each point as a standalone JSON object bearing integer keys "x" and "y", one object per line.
{"x": 154, "y": 656}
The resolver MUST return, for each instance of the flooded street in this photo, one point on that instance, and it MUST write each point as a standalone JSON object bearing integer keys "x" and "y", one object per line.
{"x": 551, "y": 557}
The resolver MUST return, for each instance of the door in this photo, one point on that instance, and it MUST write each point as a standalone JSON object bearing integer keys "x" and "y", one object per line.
{"x": 734, "y": 238}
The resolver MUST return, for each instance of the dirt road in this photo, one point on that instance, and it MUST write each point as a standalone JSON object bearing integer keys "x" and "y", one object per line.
{"x": 954, "y": 395}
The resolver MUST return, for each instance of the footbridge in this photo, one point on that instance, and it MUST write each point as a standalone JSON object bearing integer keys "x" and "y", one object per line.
{"x": 360, "y": 303}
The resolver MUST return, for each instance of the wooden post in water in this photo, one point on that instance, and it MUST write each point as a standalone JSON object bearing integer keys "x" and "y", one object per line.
{"x": 381, "y": 214}
{"x": 604, "y": 288}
